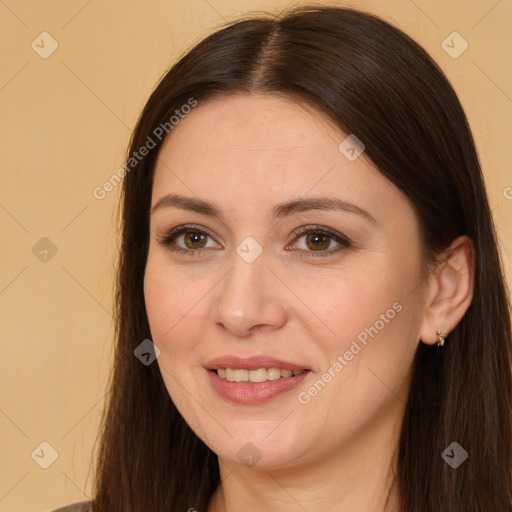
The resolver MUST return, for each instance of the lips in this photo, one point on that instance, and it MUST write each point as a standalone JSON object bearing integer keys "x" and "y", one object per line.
{"x": 254, "y": 392}
{"x": 253, "y": 363}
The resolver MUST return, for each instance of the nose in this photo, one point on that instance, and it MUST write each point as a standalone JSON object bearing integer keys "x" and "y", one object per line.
{"x": 249, "y": 299}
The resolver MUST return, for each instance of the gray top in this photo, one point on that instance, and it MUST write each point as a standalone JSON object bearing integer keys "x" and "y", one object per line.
{"x": 77, "y": 506}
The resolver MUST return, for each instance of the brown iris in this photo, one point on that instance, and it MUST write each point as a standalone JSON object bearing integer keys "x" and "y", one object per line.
{"x": 194, "y": 238}
{"x": 319, "y": 241}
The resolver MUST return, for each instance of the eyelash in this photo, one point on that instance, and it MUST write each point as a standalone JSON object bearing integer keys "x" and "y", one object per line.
{"x": 166, "y": 240}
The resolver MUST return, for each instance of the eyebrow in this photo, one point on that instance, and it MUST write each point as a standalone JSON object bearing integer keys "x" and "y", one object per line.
{"x": 279, "y": 211}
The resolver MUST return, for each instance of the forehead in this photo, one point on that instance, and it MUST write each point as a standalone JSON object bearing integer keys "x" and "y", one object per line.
{"x": 240, "y": 149}
{"x": 253, "y": 122}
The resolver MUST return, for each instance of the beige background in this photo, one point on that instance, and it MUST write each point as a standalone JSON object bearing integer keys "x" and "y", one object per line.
{"x": 64, "y": 127}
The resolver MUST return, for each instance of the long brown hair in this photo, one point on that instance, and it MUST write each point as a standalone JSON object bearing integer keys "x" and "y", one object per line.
{"x": 376, "y": 82}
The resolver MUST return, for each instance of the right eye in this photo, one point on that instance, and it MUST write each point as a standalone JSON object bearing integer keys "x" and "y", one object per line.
{"x": 193, "y": 238}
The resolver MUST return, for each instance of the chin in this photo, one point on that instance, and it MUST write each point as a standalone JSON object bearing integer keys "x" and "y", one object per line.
{"x": 253, "y": 449}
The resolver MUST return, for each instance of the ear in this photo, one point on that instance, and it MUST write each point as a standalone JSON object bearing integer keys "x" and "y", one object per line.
{"x": 450, "y": 289}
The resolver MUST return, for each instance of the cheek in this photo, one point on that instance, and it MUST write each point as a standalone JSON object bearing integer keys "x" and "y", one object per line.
{"x": 361, "y": 297}
{"x": 171, "y": 304}
{"x": 161, "y": 305}
{"x": 366, "y": 363}
{"x": 373, "y": 314}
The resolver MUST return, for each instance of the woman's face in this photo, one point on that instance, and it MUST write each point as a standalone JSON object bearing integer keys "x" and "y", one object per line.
{"x": 242, "y": 288}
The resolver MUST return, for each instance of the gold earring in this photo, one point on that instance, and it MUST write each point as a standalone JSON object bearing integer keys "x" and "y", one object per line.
{"x": 441, "y": 335}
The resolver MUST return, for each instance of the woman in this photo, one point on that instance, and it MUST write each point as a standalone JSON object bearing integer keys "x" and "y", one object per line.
{"x": 310, "y": 283}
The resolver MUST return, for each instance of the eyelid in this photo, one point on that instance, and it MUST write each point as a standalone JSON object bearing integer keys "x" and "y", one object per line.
{"x": 167, "y": 236}
{"x": 320, "y": 229}
{"x": 344, "y": 241}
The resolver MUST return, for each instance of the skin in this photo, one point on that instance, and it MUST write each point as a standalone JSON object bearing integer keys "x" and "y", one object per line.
{"x": 246, "y": 153}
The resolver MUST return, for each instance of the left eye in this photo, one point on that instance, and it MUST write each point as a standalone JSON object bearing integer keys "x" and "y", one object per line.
{"x": 316, "y": 240}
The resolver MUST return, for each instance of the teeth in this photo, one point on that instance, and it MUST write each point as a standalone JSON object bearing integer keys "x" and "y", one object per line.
{"x": 241, "y": 375}
{"x": 259, "y": 375}
{"x": 274, "y": 373}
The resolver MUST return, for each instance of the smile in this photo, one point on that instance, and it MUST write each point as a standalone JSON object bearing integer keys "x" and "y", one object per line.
{"x": 249, "y": 392}
{"x": 258, "y": 375}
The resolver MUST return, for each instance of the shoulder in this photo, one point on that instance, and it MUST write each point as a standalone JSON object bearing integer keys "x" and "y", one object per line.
{"x": 77, "y": 506}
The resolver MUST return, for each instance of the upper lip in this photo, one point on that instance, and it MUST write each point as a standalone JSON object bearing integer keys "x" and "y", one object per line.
{"x": 252, "y": 363}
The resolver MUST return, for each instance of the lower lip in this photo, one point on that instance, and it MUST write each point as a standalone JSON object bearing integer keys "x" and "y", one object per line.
{"x": 257, "y": 392}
